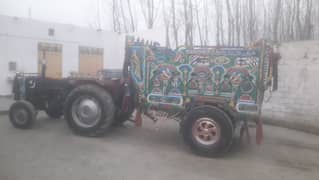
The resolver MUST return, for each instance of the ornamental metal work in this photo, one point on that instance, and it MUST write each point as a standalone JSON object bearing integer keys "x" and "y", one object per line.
{"x": 167, "y": 77}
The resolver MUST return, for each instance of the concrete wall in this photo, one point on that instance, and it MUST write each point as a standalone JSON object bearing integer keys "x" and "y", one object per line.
{"x": 295, "y": 104}
{"x": 19, "y": 40}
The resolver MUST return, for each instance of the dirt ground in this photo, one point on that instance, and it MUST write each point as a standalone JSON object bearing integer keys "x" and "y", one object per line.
{"x": 156, "y": 151}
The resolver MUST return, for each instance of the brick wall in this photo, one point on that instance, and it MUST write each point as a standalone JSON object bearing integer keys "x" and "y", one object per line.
{"x": 296, "y": 103}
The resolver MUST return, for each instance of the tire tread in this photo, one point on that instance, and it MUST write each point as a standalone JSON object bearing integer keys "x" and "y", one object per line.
{"x": 107, "y": 110}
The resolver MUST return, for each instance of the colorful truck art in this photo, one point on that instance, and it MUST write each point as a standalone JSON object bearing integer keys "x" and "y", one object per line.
{"x": 168, "y": 77}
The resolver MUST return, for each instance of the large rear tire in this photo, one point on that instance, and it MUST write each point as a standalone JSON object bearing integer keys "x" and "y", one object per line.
{"x": 89, "y": 110}
{"x": 207, "y": 130}
{"x": 22, "y": 114}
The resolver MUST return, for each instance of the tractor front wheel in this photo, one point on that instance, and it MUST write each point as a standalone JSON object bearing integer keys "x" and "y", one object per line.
{"x": 22, "y": 114}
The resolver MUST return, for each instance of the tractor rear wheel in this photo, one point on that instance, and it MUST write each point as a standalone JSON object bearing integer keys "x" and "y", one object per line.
{"x": 89, "y": 110}
{"x": 22, "y": 114}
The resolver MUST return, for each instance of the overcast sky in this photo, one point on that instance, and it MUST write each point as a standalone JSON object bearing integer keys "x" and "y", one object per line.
{"x": 77, "y": 12}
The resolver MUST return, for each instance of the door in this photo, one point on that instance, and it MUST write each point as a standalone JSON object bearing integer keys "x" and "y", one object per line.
{"x": 90, "y": 60}
{"x": 51, "y": 55}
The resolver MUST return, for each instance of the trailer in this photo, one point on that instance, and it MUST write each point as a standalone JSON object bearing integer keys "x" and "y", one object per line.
{"x": 209, "y": 90}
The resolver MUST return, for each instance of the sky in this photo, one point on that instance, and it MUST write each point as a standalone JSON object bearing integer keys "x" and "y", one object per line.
{"x": 77, "y": 12}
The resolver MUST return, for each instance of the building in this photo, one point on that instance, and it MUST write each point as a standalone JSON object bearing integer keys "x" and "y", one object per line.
{"x": 25, "y": 44}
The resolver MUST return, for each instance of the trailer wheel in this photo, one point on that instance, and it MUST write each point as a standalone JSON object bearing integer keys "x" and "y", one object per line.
{"x": 22, "y": 114}
{"x": 207, "y": 130}
{"x": 89, "y": 110}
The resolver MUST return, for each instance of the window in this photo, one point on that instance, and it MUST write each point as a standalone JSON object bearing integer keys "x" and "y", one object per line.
{"x": 90, "y": 50}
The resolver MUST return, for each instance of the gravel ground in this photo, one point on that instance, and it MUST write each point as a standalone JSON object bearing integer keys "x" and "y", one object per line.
{"x": 50, "y": 151}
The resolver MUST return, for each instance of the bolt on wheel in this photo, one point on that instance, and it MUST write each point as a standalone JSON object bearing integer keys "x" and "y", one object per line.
{"x": 206, "y": 131}
{"x": 86, "y": 111}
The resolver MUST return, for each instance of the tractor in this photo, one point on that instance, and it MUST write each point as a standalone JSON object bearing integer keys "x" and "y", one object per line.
{"x": 210, "y": 91}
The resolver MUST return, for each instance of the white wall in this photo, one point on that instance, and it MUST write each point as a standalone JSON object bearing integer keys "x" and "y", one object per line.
{"x": 22, "y": 51}
{"x": 19, "y": 40}
{"x": 296, "y": 101}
